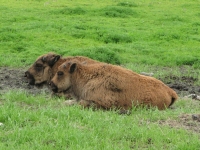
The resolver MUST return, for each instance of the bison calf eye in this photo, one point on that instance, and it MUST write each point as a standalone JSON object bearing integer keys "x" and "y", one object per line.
{"x": 60, "y": 73}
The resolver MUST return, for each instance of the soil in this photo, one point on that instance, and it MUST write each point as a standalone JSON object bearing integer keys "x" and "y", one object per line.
{"x": 13, "y": 78}
{"x": 182, "y": 85}
{"x": 190, "y": 122}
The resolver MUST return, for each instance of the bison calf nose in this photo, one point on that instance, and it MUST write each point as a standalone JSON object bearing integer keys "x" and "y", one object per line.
{"x": 30, "y": 78}
{"x": 53, "y": 87}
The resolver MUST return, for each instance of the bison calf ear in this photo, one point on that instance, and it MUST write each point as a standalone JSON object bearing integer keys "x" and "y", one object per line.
{"x": 72, "y": 68}
{"x": 53, "y": 60}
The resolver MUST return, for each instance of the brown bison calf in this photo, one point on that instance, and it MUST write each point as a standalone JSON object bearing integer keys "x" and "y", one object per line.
{"x": 108, "y": 86}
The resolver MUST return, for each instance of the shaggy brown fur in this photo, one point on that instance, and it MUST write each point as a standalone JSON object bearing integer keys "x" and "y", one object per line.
{"x": 108, "y": 86}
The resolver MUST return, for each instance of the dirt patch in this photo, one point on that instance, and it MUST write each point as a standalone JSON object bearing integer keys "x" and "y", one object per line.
{"x": 183, "y": 85}
{"x": 13, "y": 79}
{"x": 190, "y": 122}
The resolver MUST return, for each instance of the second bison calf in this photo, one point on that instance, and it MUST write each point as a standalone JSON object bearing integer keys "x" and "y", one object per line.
{"x": 109, "y": 86}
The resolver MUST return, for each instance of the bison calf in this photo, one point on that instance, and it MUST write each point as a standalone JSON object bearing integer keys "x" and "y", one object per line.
{"x": 108, "y": 86}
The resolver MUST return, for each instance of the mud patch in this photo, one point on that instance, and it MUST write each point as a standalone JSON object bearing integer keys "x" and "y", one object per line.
{"x": 190, "y": 122}
{"x": 13, "y": 79}
{"x": 183, "y": 85}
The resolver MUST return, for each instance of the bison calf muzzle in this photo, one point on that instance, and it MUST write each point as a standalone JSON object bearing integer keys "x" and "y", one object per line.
{"x": 54, "y": 88}
{"x": 30, "y": 78}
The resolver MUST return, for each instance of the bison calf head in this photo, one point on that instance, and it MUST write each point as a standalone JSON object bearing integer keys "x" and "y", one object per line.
{"x": 40, "y": 72}
{"x": 61, "y": 82}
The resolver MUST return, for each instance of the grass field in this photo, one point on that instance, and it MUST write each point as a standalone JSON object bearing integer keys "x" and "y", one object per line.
{"x": 164, "y": 33}
{"x": 40, "y": 122}
{"x": 141, "y": 35}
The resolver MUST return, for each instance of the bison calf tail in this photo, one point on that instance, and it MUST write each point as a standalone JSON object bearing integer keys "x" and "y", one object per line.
{"x": 174, "y": 97}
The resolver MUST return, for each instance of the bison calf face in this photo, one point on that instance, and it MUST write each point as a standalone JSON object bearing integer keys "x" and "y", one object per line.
{"x": 40, "y": 71}
{"x": 61, "y": 82}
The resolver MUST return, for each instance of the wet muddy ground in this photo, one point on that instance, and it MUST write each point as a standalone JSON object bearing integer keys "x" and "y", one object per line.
{"x": 13, "y": 78}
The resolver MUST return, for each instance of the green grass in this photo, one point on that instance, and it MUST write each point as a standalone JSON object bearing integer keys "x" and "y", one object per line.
{"x": 165, "y": 31}
{"x": 146, "y": 36}
{"x": 40, "y": 122}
